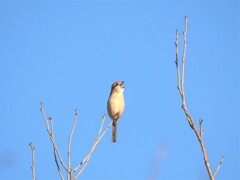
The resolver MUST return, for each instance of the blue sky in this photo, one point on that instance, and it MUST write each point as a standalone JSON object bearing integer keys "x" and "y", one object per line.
{"x": 67, "y": 54}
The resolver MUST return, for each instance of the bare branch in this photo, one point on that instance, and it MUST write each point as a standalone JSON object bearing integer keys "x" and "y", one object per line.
{"x": 181, "y": 77}
{"x": 33, "y": 161}
{"x": 51, "y": 136}
{"x": 56, "y": 161}
{"x": 85, "y": 161}
{"x": 176, "y": 62}
{"x": 51, "y": 126}
{"x": 69, "y": 144}
{"x": 188, "y": 116}
{"x": 201, "y": 131}
{"x": 103, "y": 120}
{"x": 219, "y": 165}
{"x": 184, "y": 57}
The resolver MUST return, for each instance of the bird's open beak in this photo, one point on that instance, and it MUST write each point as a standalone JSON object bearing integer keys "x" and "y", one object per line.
{"x": 122, "y": 84}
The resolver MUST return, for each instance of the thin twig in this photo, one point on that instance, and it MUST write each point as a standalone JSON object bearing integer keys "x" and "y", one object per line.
{"x": 55, "y": 150}
{"x": 51, "y": 136}
{"x": 103, "y": 120}
{"x": 201, "y": 131}
{"x": 51, "y": 126}
{"x": 180, "y": 77}
{"x": 57, "y": 164}
{"x": 183, "y": 58}
{"x": 219, "y": 165}
{"x": 69, "y": 144}
{"x": 176, "y": 62}
{"x": 85, "y": 161}
{"x": 33, "y": 161}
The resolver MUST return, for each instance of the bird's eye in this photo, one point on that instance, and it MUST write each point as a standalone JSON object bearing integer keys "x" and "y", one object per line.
{"x": 115, "y": 85}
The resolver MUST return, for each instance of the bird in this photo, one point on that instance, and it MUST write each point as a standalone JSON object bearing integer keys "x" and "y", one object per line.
{"x": 115, "y": 106}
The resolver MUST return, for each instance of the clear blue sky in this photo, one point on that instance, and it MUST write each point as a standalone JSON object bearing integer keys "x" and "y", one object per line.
{"x": 68, "y": 53}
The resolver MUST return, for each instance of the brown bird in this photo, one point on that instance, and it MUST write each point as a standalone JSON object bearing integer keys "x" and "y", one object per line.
{"x": 115, "y": 106}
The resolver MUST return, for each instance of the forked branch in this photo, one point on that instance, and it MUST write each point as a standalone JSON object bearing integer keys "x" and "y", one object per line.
{"x": 57, "y": 156}
{"x": 85, "y": 161}
{"x": 50, "y": 131}
{"x": 180, "y": 77}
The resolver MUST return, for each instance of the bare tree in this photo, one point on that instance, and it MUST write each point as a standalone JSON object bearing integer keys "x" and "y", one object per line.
{"x": 72, "y": 172}
{"x": 180, "y": 76}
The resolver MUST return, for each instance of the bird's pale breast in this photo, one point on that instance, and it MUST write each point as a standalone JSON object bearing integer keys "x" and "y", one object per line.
{"x": 115, "y": 104}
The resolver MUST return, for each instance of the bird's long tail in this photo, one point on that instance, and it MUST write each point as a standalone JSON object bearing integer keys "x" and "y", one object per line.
{"x": 114, "y": 132}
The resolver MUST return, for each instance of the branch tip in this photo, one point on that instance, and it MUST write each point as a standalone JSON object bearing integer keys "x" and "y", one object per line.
{"x": 33, "y": 161}
{"x": 219, "y": 165}
{"x": 104, "y": 116}
{"x": 76, "y": 112}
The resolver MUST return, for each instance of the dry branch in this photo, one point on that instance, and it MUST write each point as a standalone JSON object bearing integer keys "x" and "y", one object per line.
{"x": 50, "y": 131}
{"x": 69, "y": 144}
{"x": 180, "y": 87}
{"x": 85, "y": 161}
{"x": 57, "y": 155}
{"x": 33, "y": 161}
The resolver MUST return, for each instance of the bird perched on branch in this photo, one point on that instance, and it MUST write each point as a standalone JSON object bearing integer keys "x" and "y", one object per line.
{"x": 115, "y": 106}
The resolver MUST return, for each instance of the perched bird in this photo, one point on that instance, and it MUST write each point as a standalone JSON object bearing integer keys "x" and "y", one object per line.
{"x": 115, "y": 106}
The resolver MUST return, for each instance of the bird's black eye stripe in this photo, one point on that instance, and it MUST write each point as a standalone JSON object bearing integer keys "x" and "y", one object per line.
{"x": 116, "y": 84}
